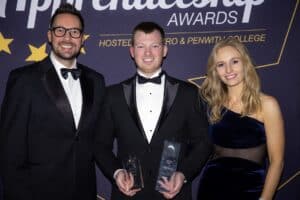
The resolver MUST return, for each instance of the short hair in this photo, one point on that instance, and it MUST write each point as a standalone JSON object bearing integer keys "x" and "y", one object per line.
{"x": 148, "y": 27}
{"x": 66, "y": 8}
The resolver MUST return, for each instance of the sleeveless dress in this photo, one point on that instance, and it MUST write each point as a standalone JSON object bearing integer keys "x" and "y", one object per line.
{"x": 237, "y": 170}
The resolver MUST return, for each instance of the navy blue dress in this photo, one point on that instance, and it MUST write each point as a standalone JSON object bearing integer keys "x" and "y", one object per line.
{"x": 237, "y": 169}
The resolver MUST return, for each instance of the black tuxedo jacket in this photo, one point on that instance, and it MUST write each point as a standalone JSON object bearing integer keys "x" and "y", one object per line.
{"x": 182, "y": 119}
{"x": 43, "y": 156}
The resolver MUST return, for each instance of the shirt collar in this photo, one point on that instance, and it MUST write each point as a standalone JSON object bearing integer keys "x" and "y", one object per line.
{"x": 58, "y": 65}
{"x": 153, "y": 75}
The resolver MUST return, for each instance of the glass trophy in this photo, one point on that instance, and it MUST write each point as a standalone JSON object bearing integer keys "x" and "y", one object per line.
{"x": 133, "y": 166}
{"x": 168, "y": 162}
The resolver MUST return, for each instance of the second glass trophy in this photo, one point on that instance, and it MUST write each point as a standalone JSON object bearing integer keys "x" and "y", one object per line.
{"x": 168, "y": 162}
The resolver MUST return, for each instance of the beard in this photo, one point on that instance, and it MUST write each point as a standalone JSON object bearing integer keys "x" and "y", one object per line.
{"x": 64, "y": 54}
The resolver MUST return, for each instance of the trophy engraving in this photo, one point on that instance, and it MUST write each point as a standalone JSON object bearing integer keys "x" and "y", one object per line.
{"x": 168, "y": 162}
{"x": 133, "y": 166}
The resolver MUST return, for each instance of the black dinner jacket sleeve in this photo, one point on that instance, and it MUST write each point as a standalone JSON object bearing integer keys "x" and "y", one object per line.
{"x": 105, "y": 157}
{"x": 199, "y": 146}
{"x": 13, "y": 123}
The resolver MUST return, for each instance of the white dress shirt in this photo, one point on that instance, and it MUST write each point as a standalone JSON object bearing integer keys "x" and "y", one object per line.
{"x": 149, "y": 100}
{"x": 72, "y": 89}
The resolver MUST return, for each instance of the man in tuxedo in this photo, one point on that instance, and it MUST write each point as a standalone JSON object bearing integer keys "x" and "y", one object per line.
{"x": 48, "y": 120}
{"x": 144, "y": 111}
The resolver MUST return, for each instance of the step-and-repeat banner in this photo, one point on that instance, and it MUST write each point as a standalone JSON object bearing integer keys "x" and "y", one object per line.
{"x": 269, "y": 28}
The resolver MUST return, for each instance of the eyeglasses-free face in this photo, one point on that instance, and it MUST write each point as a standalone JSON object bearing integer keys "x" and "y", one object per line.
{"x": 148, "y": 51}
{"x": 60, "y": 31}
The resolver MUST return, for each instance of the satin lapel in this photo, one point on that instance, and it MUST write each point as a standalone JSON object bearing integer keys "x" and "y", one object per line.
{"x": 87, "y": 89}
{"x": 171, "y": 88}
{"x": 56, "y": 92}
{"x": 130, "y": 97}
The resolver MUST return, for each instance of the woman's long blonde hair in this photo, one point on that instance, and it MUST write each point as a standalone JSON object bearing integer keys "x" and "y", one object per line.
{"x": 215, "y": 92}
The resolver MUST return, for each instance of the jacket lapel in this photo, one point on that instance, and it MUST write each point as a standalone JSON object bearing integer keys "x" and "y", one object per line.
{"x": 171, "y": 88}
{"x": 56, "y": 92}
{"x": 130, "y": 97}
{"x": 87, "y": 89}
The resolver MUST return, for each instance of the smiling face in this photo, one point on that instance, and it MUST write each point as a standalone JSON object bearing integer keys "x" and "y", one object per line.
{"x": 148, "y": 51}
{"x": 229, "y": 66}
{"x": 65, "y": 48}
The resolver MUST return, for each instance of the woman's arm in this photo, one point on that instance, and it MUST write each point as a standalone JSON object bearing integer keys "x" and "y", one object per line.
{"x": 274, "y": 127}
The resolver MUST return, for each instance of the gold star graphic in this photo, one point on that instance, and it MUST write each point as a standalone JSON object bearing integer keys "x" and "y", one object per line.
{"x": 82, "y": 50}
{"x": 4, "y": 42}
{"x": 37, "y": 53}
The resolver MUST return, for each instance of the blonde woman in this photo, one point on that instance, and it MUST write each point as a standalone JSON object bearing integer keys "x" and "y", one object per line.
{"x": 246, "y": 127}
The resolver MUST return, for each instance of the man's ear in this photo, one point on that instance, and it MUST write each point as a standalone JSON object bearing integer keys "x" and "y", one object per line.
{"x": 165, "y": 50}
{"x": 49, "y": 36}
{"x": 131, "y": 50}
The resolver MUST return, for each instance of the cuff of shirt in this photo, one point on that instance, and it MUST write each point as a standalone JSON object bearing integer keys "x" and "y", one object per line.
{"x": 117, "y": 171}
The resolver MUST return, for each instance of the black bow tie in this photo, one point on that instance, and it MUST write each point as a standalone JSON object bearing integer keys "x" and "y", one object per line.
{"x": 75, "y": 73}
{"x": 142, "y": 80}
